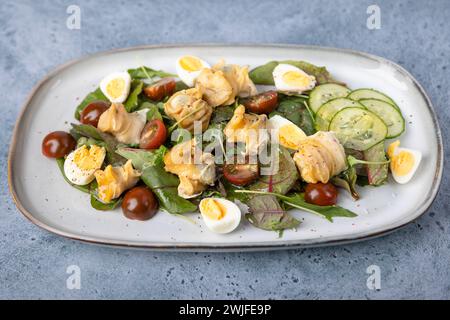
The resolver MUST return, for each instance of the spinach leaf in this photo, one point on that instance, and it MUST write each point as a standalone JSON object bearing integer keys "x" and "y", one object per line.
{"x": 180, "y": 85}
{"x": 263, "y": 74}
{"x": 96, "y": 95}
{"x": 153, "y": 110}
{"x": 347, "y": 181}
{"x": 110, "y": 142}
{"x": 294, "y": 109}
{"x": 99, "y": 205}
{"x": 283, "y": 179}
{"x": 222, "y": 114}
{"x": 60, "y": 163}
{"x": 146, "y": 72}
{"x": 297, "y": 200}
{"x": 162, "y": 183}
{"x": 132, "y": 101}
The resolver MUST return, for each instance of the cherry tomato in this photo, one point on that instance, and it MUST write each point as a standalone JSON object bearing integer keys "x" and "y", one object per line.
{"x": 58, "y": 144}
{"x": 92, "y": 112}
{"x": 153, "y": 135}
{"x": 241, "y": 174}
{"x": 264, "y": 102}
{"x": 161, "y": 89}
{"x": 139, "y": 203}
{"x": 321, "y": 194}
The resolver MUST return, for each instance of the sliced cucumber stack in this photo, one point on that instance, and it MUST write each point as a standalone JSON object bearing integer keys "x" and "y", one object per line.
{"x": 325, "y": 93}
{"x": 360, "y": 94}
{"x": 390, "y": 115}
{"x": 358, "y": 128}
{"x": 328, "y": 110}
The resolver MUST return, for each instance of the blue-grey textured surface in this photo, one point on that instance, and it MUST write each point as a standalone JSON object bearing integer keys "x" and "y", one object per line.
{"x": 34, "y": 39}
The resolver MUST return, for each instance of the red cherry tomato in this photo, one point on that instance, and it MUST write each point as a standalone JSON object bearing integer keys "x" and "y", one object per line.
{"x": 153, "y": 135}
{"x": 321, "y": 194}
{"x": 92, "y": 112}
{"x": 139, "y": 203}
{"x": 264, "y": 102}
{"x": 241, "y": 174}
{"x": 58, "y": 144}
{"x": 161, "y": 89}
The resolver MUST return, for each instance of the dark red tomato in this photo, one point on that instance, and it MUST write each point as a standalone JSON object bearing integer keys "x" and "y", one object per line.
{"x": 139, "y": 203}
{"x": 153, "y": 135}
{"x": 161, "y": 89}
{"x": 92, "y": 112}
{"x": 58, "y": 144}
{"x": 264, "y": 102}
{"x": 241, "y": 174}
{"x": 321, "y": 194}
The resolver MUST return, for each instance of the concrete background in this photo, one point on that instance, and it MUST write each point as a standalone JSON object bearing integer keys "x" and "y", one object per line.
{"x": 34, "y": 39}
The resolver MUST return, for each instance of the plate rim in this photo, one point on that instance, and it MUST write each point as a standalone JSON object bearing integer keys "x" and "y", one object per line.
{"x": 253, "y": 246}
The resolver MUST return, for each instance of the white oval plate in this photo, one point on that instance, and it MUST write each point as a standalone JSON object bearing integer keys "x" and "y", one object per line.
{"x": 46, "y": 199}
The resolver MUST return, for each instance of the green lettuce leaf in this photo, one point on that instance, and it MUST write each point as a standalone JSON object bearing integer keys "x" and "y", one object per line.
{"x": 132, "y": 101}
{"x": 161, "y": 182}
{"x": 146, "y": 72}
{"x": 294, "y": 109}
{"x": 263, "y": 74}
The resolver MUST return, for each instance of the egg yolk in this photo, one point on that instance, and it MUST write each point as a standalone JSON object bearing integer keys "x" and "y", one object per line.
{"x": 89, "y": 159}
{"x": 391, "y": 149}
{"x": 107, "y": 181}
{"x": 402, "y": 163}
{"x": 290, "y": 137}
{"x": 190, "y": 64}
{"x": 115, "y": 88}
{"x": 295, "y": 78}
{"x": 213, "y": 209}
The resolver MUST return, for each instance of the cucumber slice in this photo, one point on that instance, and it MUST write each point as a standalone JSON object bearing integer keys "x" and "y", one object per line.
{"x": 390, "y": 115}
{"x": 360, "y": 94}
{"x": 325, "y": 93}
{"x": 358, "y": 128}
{"x": 327, "y": 111}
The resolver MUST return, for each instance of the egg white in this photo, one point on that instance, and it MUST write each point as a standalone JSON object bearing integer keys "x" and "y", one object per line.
{"x": 281, "y": 85}
{"x": 228, "y": 223}
{"x": 417, "y": 155}
{"x": 116, "y": 75}
{"x": 189, "y": 77}
{"x": 75, "y": 174}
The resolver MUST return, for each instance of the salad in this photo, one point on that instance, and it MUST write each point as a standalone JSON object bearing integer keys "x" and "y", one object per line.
{"x": 226, "y": 141}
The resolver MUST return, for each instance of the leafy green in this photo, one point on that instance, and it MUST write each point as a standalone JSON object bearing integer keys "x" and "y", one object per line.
{"x": 60, "y": 163}
{"x": 297, "y": 201}
{"x": 99, "y": 205}
{"x": 132, "y": 101}
{"x": 283, "y": 179}
{"x": 180, "y": 85}
{"x": 347, "y": 180}
{"x": 162, "y": 183}
{"x": 153, "y": 110}
{"x": 265, "y": 211}
{"x": 96, "y": 95}
{"x": 111, "y": 143}
{"x": 267, "y": 214}
{"x": 222, "y": 114}
{"x": 146, "y": 72}
{"x": 91, "y": 189}
{"x": 294, "y": 109}
{"x": 263, "y": 74}
{"x": 377, "y": 164}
